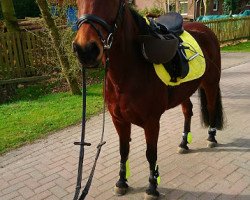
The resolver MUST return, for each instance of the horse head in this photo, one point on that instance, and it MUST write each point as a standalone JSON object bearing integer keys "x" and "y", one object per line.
{"x": 97, "y": 23}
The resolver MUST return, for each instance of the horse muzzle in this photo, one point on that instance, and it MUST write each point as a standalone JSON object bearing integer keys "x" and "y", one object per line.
{"x": 87, "y": 55}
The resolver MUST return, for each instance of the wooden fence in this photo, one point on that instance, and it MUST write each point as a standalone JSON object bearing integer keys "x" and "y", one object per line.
{"x": 230, "y": 29}
{"x": 24, "y": 54}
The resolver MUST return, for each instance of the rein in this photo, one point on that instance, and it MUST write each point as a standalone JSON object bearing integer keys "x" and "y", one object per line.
{"x": 107, "y": 43}
{"x": 82, "y": 143}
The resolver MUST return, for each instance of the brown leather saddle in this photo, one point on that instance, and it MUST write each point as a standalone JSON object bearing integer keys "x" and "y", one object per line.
{"x": 164, "y": 46}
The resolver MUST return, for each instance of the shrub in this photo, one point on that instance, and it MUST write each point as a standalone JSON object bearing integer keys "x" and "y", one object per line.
{"x": 154, "y": 10}
{"x": 24, "y": 8}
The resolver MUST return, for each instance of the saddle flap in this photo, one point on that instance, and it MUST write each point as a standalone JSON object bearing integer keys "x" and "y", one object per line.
{"x": 157, "y": 50}
{"x": 172, "y": 21}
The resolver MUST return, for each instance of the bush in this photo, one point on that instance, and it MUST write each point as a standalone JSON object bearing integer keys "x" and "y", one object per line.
{"x": 230, "y": 6}
{"x": 24, "y": 8}
{"x": 154, "y": 10}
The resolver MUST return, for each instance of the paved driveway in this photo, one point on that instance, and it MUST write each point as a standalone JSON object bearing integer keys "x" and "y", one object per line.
{"x": 47, "y": 169}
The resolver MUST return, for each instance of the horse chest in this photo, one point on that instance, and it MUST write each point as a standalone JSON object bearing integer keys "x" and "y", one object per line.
{"x": 123, "y": 104}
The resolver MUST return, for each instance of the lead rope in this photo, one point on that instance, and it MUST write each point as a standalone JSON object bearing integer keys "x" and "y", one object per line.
{"x": 82, "y": 143}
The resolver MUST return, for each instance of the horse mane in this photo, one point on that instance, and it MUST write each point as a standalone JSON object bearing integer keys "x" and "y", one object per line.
{"x": 140, "y": 22}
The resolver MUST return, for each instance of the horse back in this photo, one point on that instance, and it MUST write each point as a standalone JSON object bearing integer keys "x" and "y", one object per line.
{"x": 207, "y": 41}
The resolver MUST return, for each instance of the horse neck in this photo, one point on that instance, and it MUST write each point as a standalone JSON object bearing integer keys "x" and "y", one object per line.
{"x": 123, "y": 55}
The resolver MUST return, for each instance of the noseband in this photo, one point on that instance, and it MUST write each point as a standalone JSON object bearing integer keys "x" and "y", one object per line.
{"x": 111, "y": 29}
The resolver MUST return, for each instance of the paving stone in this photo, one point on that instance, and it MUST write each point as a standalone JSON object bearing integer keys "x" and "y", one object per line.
{"x": 58, "y": 191}
{"x": 13, "y": 188}
{"x": 26, "y": 192}
{"x": 41, "y": 196}
{"x": 9, "y": 196}
{"x": 47, "y": 169}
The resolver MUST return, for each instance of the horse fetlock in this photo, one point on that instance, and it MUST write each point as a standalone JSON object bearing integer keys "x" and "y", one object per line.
{"x": 122, "y": 183}
{"x": 211, "y": 135}
{"x": 212, "y": 139}
{"x": 151, "y": 192}
{"x": 183, "y": 147}
{"x": 121, "y": 186}
{"x": 183, "y": 144}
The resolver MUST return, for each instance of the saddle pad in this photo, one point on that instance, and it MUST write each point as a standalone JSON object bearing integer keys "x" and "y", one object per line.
{"x": 197, "y": 66}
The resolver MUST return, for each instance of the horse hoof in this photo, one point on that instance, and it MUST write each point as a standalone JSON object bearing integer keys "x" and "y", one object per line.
{"x": 150, "y": 197}
{"x": 120, "y": 191}
{"x": 212, "y": 144}
{"x": 182, "y": 150}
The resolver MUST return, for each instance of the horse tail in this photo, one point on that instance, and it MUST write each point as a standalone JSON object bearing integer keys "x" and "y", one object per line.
{"x": 219, "y": 116}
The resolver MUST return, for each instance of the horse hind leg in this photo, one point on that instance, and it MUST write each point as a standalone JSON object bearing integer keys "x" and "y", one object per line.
{"x": 212, "y": 112}
{"x": 124, "y": 132}
{"x": 187, "y": 107}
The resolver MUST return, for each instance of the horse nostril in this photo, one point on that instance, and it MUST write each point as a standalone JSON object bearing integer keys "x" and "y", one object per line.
{"x": 87, "y": 54}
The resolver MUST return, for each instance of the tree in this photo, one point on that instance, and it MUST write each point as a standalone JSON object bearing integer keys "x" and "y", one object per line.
{"x": 26, "y": 8}
{"x": 9, "y": 16}
{"x": 230, "y": 6}
{"x": 60, "y": 51}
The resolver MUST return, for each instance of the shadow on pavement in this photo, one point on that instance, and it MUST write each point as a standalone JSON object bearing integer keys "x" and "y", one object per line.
{"x": 174, "y": 194}
{"x": 238, "y": 145}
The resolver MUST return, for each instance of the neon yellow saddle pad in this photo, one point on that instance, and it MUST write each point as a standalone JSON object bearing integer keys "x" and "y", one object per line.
{"x": 197, "y": 66}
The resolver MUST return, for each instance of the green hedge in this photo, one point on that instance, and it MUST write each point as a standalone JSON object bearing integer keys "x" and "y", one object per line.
{"x": 24, "y": 8}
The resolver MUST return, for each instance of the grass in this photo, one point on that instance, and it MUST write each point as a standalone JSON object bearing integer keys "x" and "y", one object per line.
{"x": 37, "y": 115}
{"x": 241, "y": 47}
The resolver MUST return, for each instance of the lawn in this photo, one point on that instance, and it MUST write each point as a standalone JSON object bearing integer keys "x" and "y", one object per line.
{"x": 28, "y": 119}
{"x": 241, "y": 47}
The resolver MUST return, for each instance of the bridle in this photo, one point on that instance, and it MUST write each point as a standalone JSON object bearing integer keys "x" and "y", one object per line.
{"x": 107, "y": 43}
{"x": 111, "y": 29}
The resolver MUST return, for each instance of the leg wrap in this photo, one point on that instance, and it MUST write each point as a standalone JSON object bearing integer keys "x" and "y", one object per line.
{"x": 152, "y": 188}
{"x": 122, "y": 181}
{"x": 184, "y": 141}
{"x": 212, "y": 134}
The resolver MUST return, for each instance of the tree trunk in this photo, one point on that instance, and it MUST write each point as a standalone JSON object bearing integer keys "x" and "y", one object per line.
{"x": 9, "y": 16}
{"x": 206, "y": 7}
{"x": 56, "y": 41}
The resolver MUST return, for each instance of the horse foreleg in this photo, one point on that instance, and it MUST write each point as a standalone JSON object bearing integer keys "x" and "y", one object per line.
{"x": 187, "y": 107}
{"x": 124, "y": 132}
{"x": 151, "y": 134}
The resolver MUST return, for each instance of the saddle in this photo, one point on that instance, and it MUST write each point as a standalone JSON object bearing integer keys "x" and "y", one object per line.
{"x": 164, "y": 46}
{"x": 172, "y": 22}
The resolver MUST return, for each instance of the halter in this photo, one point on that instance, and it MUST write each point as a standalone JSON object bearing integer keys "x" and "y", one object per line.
{"x": 111, "y": 29}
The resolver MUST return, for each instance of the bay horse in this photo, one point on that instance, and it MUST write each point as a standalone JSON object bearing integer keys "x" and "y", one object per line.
{"x": 108, "y": 29}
